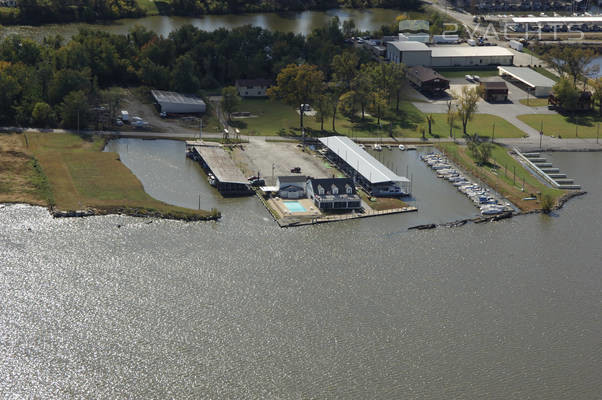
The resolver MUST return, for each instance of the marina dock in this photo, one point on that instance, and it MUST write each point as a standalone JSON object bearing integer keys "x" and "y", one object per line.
{"x": 229, "y": 179}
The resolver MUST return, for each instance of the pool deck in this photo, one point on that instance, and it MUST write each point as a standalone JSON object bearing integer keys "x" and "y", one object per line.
{"x": 285, "y": 219}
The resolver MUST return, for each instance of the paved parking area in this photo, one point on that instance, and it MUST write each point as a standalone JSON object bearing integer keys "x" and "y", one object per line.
{"x": 260, "y": 155}
{"x": 509, "y": 110}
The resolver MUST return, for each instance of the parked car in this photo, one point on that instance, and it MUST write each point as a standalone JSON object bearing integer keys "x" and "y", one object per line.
{"x": 469, "y": 78}
{"x": 118, "y": 122}
{"x": 257, "y": 182}
{"x": 296, "y": 170}
{"x": 163, "y": 114}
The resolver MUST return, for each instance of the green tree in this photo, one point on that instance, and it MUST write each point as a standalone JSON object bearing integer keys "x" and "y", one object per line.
{"x": 74, "y": 110}
{"x": 452, "y": 114}
{"x": 323, "y": 107}
{"x": 566, "y": 94}
{"x": 184, "y": 78}
{"x": 230, "y": 100}
{"x": 597, "y": 95}
{"x": 42, "y": 115}
{"x": 467, "y": 105}
{"x": 297, "y": 85}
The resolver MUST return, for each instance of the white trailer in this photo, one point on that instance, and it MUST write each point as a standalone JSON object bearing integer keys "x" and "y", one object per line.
{"x": 471, "y": 42}
{"x": 516, "y": 45}
{"x": 125, "y": 116}
{"x": 445, "y": 39}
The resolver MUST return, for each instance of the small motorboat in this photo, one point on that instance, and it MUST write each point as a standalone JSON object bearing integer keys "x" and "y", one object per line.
{"x": 402, "y": 147}
{"x": 378, "y": 147}
{"x": 212, "y": 180}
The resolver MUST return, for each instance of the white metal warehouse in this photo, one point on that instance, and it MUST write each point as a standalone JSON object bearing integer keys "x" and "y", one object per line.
{"x": 466, "y": 56}
{"x": 365, "y": 169}
{"x": 415, "y": 53}
{"x": 539, "y": 85}
{"x": 176, "y": 103}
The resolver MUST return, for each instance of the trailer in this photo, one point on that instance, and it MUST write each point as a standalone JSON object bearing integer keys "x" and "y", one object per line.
{"x": 471, "y": 42}
{"x": 450, "y": 39}
{"x": 516, "y": 45}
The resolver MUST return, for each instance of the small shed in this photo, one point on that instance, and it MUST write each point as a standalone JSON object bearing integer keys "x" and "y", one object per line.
{"x": 427, "y": 80}
{"x": 494, "y": 91}
{"x": 177, "y": 103}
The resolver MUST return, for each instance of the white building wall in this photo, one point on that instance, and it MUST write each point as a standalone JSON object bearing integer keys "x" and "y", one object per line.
{"x": 542, "y": 91}
{"x": 413, "y": 58}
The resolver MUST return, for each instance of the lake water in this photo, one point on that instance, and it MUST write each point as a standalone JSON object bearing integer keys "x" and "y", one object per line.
{"x": 297, "y": 22}
{"x": 360, "y": 309}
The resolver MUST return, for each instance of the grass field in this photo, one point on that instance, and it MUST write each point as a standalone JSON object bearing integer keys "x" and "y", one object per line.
{"x": 556, "y": 125}
{"x": 75, "y": 174}
{"x": 275, "y": 118}
{"x": 149, "y": 7}
{"x": 483, "y": 73}
{"x": 499, "y": 175}
{"x": 534, "y": 102}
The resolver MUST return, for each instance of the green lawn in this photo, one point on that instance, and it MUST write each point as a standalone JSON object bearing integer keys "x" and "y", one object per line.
{"x": 546, "y": 73}
{"x": 499, "y": 174}
{"x": 81, "y": 175}
{"x": 582, "y": 126}
{"x": 483, "y": 73}
{"x": 534, "y": 102}
{"x": 149, "y": 7}
{"x": 275, "y": 118}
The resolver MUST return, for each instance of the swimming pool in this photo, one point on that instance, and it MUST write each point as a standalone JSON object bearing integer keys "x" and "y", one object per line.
{"x": 294, "y": 206}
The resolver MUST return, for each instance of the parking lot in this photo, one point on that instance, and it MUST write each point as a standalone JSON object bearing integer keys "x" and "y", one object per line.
{"x": 260, "y": 155}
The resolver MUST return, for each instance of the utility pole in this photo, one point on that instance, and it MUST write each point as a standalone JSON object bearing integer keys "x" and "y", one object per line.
{"x": 493, "y": 134}
{"x": 540, "y": 134}
{"x": 78, "y": 121}
{"x": 598, "y": 134}
{"x": 200, "y": 128}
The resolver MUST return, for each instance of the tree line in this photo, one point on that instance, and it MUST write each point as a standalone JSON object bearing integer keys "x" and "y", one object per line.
{"x": 48, "y": 11}
{"x": 54, "y": 76}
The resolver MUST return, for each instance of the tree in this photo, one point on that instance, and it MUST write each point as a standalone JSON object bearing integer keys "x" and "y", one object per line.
{"x": 362, "y": 86}
{"x": 184, "y": 78}
{"x": 547, "y": 203}
{"x": 379, "y": 104}
{"x": 348, "y": 28}
{"x": 323, "y": 107}
{"x": 230, "y": 100}
{"x": 566, "y": 94}
{"x": 42, "y": 114}
{"x": 398, "y": 81}
{"x": 480, "y": 151}
{"x": 597, "y": 95}
{"x": 74, "y": 110}
{"x": 430, "y": 120}
{"x": 297, "y": 85}
{"x": 574, "y": 62}
{"x": 452, "y": 114}
{"x": 467, "y": 105}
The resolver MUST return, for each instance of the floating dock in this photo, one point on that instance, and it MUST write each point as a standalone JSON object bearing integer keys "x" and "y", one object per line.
{"x": 215, "y": 160}
{"x": 547, "y": 172}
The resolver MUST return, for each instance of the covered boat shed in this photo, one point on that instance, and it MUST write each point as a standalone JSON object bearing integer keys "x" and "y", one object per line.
{"x": 370, "y": 173}
{"x": 536, "y": 83}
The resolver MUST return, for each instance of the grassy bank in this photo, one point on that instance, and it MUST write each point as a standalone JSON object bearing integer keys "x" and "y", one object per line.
{"x": 461, "y": 73}
{"x": 72, "y": 173}
{"x": 534, "y": 102}
{"x": 272, "y": 118}
{"x": 566, "y": 127}
{"x": 499, "y": 174}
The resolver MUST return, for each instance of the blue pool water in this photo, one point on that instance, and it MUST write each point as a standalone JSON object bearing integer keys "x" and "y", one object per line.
{"x": 294, "y": 206}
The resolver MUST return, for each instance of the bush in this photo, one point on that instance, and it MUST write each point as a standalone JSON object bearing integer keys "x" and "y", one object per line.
{"x": 547, "y": 203}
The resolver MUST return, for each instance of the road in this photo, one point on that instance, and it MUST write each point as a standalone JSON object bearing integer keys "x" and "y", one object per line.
{"x": 526, "y": 144}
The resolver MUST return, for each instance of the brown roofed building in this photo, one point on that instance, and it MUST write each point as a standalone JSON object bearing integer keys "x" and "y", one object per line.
{"x": 427, "y": 80}
{"x": 494, "y": 91}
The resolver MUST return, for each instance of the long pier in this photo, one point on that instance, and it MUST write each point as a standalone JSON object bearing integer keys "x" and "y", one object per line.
{"x": 213, "y": 158}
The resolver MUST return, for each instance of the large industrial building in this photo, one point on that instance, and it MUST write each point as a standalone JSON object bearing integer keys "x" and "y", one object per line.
{"x": 415, "y": 53}
{"x": 366, "y": 170}
{"x": 176, "y": 103}
{"x": 530, "y": 80}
